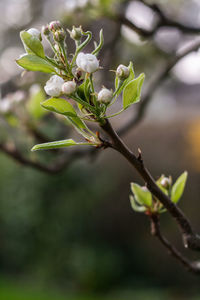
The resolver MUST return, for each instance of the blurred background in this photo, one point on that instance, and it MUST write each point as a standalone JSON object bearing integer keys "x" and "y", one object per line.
{"x": 67, "y": 230}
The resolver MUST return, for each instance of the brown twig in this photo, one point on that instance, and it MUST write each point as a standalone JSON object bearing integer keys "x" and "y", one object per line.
{"x": 193, "y": 267}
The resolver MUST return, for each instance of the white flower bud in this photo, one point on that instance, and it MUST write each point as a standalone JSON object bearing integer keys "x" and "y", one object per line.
{"x": 166, "y": 182}
{"x": 34, "y": 32}
{"x": 76, "y": 33}
{"x": 122, "y": 72}
{"x": 69, "y": 87}
{"x": 87, "y": 62}
{"x": 53, "y": 86}
{"x": 105, "y": 96}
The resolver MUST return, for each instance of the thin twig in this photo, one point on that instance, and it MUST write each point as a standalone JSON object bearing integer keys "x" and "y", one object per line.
{"x": 193, "y": 267}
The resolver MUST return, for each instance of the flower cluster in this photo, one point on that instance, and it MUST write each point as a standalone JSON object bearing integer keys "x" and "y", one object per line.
{"x": 72, "y": 77}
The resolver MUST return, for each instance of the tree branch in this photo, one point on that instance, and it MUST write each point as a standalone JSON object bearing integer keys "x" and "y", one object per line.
{"x": 193, "y": 267}
{"x": 190, "y": 238}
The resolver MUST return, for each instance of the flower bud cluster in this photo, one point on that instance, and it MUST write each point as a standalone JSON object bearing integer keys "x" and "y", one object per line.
{"x": 56, "y": 85}
{"x": 56, "y": 29}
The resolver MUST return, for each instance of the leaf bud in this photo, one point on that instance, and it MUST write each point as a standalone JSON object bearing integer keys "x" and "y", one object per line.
{"x": 122, "y": 72}
{"x": 105, "y": 96}
{"x": 166, "y": 182}
{"x": 69, "y": 87}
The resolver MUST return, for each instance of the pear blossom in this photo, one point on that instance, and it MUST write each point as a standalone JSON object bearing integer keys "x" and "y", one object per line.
{"x": 69, "y": 87}
{"x": 53, "y": 86}
{"x": 87, "y": 62}
{"x": 105, "y": 96}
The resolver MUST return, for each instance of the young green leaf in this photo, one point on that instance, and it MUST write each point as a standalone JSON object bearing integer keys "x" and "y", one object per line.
{"x": 33, "y": 43}
{"x": 60, "y": 106}
{"x": 59, "y": 144}
{"x": 142, "y": 196}
{"x": 132, "y": 91}
{"x": 63, "y": 107}
{"x": 178, "y": 187}
{"x": 32, "y": 62}
{"x": 135, "y": 206}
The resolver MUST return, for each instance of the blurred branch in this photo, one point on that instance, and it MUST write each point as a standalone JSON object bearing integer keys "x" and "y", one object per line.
{"x": 57, "y": 166}
{"x": 156, "y": 85}
{"x": 193, "y": 267}
{"x": 168, "y": 22}
{"x": 164, "y": 21}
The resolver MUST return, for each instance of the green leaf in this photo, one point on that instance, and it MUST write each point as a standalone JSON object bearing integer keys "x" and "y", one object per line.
{"x": 59, "y": 144}
{"x": 84, "y": 90}
{"x": 60, "y": 106}
{"x": 142, "y": 196}
{"x": 33, "y": 43}
{"x": 178, "y": 187}
{"x": 34, "y": 63}
{"x": 135, "y": 206}
{"x": 63, "y": 107}
{"x": 132, "y": 91}
{"x": 33, "y": 104}
{"x": 126, "y": 81}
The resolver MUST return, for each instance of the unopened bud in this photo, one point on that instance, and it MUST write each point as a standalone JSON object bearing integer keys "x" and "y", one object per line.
{"x": 76, "y": 33}
{"x": 55, "y": 25}
{"x": 34, "y": 32}
{"x": 122, "y": 72}
{"x": 166, "y": 182}
{"x": 87, "y": 62}
{"x": 69, "y": 87}
{"x": 59, "y": 35}
{"x": 105, "y": 95}
{"x": 45, "y": 30}
{"x": 53, "y": 86}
